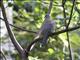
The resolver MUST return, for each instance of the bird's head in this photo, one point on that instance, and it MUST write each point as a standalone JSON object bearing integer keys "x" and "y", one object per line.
{"x": 47, "y": 16}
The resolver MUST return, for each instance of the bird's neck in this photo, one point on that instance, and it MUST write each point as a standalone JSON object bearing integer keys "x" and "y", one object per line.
{"x": 47, "y": 19}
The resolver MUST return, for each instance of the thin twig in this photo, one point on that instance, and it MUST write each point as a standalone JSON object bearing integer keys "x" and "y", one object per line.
{"x": 71, "y": 13}
{"x": 64, "y": 14}
{"x": 67, "y": 26}
{"x": 50, "y": 7}
{"x": 19, "y": 28}
{"x": 1, "y": 52}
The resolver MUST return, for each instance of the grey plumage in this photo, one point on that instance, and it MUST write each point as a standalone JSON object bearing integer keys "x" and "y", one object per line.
{"x": 45, "y": 30}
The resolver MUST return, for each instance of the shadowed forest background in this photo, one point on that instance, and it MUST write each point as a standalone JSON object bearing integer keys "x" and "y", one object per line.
{"x": 25, "y": 18}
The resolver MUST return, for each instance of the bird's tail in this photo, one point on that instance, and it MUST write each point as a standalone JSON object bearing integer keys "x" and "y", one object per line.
{"x": 44, "y": 41}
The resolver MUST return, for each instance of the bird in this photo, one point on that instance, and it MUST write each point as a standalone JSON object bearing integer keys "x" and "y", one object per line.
{"x": 45, "y": 30}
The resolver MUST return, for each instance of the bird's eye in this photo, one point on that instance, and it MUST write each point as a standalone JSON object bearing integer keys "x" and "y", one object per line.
{"x": 47, "y": 15}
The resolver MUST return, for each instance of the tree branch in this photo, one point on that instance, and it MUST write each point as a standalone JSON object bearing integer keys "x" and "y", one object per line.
{"x": 67, "y": 26}
{"x": 71, "y": 13}
{"x": 50, "y": 7}
{"x": 1, "y": 53}
{"x": 64, "y": 13}
{"x": 11, "y": 35}
{"x": 19, "y": 28}
{"x": 65, "y": 30}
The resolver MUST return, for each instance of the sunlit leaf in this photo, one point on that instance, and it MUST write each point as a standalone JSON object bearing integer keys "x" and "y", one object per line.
{"x": 51, "y": 51}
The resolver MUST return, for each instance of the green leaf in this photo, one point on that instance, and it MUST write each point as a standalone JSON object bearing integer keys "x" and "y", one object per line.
{"x": 51, "y": 51}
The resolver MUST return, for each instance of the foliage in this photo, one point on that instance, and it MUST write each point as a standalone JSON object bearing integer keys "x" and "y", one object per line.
{"x": 31, "y": 17}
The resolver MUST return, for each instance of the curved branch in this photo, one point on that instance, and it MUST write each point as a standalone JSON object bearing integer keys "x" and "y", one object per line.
{"x": 11, "y": 35}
